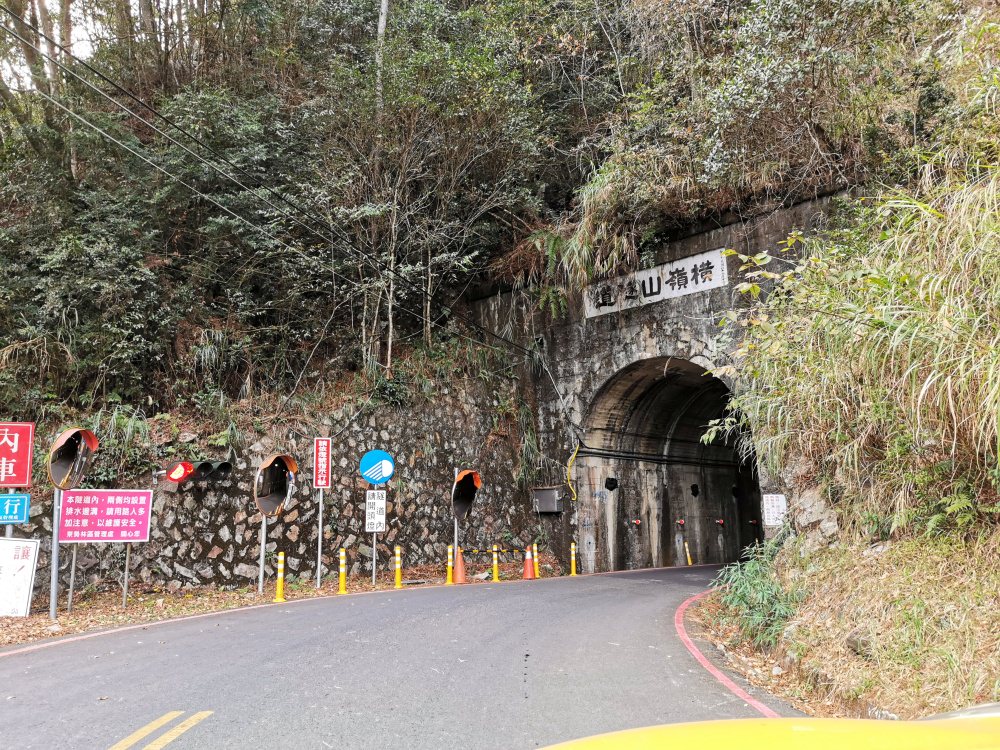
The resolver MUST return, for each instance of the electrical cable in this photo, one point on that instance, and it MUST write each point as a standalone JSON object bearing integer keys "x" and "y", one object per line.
{"x": 211, "y": 200}
{"x": 329, "y": 227}
{"x": 364, "y": 257}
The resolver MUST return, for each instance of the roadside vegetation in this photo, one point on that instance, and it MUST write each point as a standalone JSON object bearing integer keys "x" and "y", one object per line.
{"x": 907, "y": 628}
{"x": 870, "y": 361}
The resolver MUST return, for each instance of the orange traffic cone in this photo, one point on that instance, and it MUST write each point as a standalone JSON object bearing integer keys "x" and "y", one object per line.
{"x": 529, "y": 566}
{"x": 460, "y": 567}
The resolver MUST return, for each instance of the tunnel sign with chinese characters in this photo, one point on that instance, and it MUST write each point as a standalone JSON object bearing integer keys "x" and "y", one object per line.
{"x": 697, "y": 273}
{"x": 105, "y": 516}
{"x": 16, "y": 445}
{"x": 375, "y": 511}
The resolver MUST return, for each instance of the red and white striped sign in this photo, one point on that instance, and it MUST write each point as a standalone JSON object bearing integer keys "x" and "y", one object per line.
{"x": 322, "y": 479}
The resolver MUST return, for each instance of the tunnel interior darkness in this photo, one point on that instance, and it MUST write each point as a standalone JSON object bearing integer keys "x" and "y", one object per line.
{"x": 644, "y": 428}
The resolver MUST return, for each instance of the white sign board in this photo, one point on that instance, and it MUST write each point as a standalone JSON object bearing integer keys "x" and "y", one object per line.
{"x": 697, "y": 273}
{"x": 375, "y": 510}
{"x": 18, "y": 558}
{"x": 775, "y": 509}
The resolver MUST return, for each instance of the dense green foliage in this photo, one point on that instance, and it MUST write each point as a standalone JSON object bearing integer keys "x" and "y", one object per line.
{"x": 346, "y": 194}
{"x": 877, "y": 358}
{"x": 346, "y": 189}
{"x": 733, "y": 108}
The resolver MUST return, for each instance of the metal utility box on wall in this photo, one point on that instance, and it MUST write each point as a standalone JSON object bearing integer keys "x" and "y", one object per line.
{"x": 547, "y": 499}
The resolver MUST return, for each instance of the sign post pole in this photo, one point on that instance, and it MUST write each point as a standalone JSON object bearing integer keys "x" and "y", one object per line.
{"x": 72, "y": 581}
{"x": 319, "y": 542}
{"x": 377, "y": 468}
{"x": 263, "y": 540}
{"x": 8, "y": 532}
{"x": 128, "y": 557}
{"x": 374, "y": 537}
{"x": 54, "y": 556}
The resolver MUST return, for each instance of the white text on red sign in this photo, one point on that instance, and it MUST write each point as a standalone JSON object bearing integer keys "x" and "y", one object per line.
{"x": 16, "y": 448}
{"x": 322, "y": 478}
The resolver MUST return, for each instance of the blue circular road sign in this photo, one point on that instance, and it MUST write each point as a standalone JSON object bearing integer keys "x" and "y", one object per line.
{"x": 377, "y": 467}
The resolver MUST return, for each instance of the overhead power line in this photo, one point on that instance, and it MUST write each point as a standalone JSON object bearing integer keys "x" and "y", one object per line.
{"x": 334, "y": 232}
{"x": 84, "y": 121}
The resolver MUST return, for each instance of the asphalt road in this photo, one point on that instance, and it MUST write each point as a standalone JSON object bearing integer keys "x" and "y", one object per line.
{"x": 515, "y": 665}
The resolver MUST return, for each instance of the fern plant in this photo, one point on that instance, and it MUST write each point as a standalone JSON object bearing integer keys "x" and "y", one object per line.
{"x": 753, "y": 597}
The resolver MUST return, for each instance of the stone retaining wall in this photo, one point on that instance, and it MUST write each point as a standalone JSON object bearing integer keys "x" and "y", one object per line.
{"x": 210, "y": 534}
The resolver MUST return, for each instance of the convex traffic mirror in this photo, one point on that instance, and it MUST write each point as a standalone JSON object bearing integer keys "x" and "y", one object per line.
{"x": 275, "y": 483}
{"x": 70, "y": 455}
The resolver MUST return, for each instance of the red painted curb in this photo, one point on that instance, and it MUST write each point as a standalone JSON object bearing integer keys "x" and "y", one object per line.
{"x": 731, "y": 686}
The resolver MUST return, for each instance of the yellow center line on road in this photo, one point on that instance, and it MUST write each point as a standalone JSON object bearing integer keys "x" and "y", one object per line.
{"x": 148, "y": 729}
{"x": 165, "y": 739}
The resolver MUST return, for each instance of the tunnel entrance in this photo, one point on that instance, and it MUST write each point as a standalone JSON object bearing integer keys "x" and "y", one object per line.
{"x": 647, "y": 483}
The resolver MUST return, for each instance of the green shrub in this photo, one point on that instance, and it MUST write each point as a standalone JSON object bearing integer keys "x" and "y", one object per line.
{"x": 754, "y": 598}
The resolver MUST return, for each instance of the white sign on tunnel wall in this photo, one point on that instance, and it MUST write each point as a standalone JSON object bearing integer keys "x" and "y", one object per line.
{"x": 697, "y": 273}
{"x": 775, "y": 509}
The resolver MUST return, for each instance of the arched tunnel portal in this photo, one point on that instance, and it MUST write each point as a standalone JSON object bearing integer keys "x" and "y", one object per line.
{"x": 646, "y": 481}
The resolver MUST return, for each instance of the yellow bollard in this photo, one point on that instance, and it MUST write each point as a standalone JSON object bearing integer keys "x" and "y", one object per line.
{"x": 279, "y": 593}
{"x": 450, "y": 580}
{"x": 496, "y": 564}
{"x": 342, "y": 589}
{"x": 534, "y": 553}
{"x": 399, "y": 568}
{"x": 687, "y": 550}
{"x": 572, "y": 559}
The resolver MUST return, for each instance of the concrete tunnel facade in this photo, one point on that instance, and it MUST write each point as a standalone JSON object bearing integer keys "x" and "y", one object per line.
{"x": 633, "y": 389}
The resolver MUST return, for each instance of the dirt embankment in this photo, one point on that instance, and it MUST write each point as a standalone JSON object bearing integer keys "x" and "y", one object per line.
{"x": 896, "y": 629}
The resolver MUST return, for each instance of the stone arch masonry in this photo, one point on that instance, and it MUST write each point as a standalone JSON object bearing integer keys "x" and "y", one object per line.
{"x": 582, "y": 354}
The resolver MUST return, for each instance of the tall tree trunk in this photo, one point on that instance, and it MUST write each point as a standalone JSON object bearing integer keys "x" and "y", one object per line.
{"x": 390, "y": 303}
{"x": 31, "y": 57}
{"x": 23, "y": 119}
{"x": 66, "y": 41}
{"x": 427, "y": 299}
{"x": 364, "y": 320}
{"x": 147, "y": 22}
{"x": 66, "y": 28}
{"x": 49, "y": 147}
{"x": 383, "y": 20}
{"x": 48, "y": 29}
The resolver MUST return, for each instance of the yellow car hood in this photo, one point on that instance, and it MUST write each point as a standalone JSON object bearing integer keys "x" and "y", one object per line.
{"x": 807, "y": 734}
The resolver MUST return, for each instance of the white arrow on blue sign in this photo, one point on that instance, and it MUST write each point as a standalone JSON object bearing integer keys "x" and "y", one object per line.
{"x": 14, "y": 508}
{"x": 377, "y": 467}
